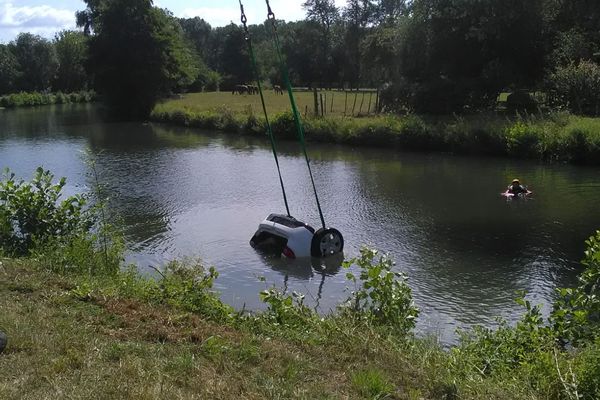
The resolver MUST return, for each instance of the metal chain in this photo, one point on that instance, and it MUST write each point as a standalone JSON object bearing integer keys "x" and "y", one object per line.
{"x": 248, "y": 39}
{"x": 297, "y": 120}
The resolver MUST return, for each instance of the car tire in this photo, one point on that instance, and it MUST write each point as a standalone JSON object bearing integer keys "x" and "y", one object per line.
{"x": 326, "y": 243}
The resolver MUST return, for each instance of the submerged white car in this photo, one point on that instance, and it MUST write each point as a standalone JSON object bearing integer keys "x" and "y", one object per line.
{"x": 286, "y": 235}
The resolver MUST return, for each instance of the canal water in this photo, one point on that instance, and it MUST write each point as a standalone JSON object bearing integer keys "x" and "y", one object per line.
{"x": 182, "y": 193}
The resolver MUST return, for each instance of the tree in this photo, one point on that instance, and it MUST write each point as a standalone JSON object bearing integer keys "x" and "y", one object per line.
{"x": 233, "y": 56}
{"x": 72, "y": 51}
{"x": 37, "y": 61}
{"x": 323, "y": 14}
{"x": 198, "y": 32}
{"x": 9, "y": 70}
{"x": 357, "y": 15}
{"x": 137, "y": 54}
{"x": 388, "y": 11}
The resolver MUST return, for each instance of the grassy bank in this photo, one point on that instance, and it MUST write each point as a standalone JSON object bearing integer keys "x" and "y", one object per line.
{"x": 555, "y": 137}
{"x": 25, "y": 99}
{"x": 79, "y": 336}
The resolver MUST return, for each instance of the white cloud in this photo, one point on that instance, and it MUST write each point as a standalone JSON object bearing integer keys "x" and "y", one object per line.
{"x": 44, "y": 20}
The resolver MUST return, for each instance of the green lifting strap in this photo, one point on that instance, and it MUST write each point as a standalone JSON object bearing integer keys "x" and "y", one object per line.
{"x": 262, "y": 99}
{"x": 297, "y": 120}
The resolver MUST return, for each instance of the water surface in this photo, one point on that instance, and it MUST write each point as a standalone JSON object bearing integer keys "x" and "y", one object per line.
{"x": 186, "y": 193}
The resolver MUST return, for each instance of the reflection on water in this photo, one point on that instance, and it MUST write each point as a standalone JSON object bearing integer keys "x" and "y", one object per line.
{"x": 184, "y": 193}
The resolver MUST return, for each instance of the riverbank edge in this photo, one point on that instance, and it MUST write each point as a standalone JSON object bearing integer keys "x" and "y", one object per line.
{"x": 78, "y": 335}
{"x": 33, "y": 99}
{"x": 73, "y": 336}
{"x": 557, "y": 137}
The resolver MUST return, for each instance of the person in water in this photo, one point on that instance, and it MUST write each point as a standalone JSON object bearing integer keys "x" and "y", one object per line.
{"x": 516, "y": 188}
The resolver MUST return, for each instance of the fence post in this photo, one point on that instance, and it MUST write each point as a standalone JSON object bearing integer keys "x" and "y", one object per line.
{"x": 321, "y": 95}
{"x": 345, "y": 103}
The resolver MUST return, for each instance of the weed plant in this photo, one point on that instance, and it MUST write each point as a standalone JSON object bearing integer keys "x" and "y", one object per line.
{"x": 30, "y": 99}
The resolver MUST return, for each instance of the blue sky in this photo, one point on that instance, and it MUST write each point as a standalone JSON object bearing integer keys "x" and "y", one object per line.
{"x": 45, "y": 17}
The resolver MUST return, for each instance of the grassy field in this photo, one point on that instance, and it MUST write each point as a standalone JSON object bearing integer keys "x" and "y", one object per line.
{"x": 550, "y": 137}
{"x": 335, "y": 103}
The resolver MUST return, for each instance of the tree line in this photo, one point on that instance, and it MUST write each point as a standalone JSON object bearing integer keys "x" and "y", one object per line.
{"x": 32, "y": 63}
{"x": 435, "y": 56}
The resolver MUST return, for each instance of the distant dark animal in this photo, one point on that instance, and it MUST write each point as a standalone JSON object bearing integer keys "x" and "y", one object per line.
{"x": 241, "y": 89}
{"x": 277, "y": 89}
{"x": 252, "y": 89}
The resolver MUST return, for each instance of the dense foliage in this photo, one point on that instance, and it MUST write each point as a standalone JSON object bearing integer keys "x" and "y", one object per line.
{"x": 66, "y": 233}
{"x": 25, "y": 99}
{"x": 31, "y": 63}
{"x": 30, "y": 212}
{"x": 428, "y": 56}
{"x": 137, "y": 54}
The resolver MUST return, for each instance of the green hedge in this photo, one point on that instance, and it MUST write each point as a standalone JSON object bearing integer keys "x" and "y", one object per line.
{"x": 25, "y": 99}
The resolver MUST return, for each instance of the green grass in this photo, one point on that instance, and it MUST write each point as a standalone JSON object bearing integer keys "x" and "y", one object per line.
{"x": 553, "y": 137}
{"x": 30, "y": 99}
{"x": 336, "y": 102}
{"x": 79, "y": 337}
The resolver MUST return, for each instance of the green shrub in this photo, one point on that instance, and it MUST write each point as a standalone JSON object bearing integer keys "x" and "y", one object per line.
{"x": 65, "y": 236}
{"x": 381, "y": 296}
{"x": 577, "y": 87}
{"x": 587, "y": 371}
{"x": 576, "y": 314}
{"x": 283, "y": 125}
{"x": 31, "y": 213}
{"x": 25, "y": 99}
{"x": 287, "y": 310}
{"x": 523, "y": 140}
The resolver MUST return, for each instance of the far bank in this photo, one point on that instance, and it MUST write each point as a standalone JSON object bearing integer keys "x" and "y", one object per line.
{"x": 556, "y": 137}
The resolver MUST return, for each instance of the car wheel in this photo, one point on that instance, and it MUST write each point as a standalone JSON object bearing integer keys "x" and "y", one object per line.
{"x": 326, "y": 243}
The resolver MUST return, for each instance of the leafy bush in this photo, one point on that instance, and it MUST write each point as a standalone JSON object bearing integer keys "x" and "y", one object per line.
{"x": 576, "y": 314}
{"x": 587, "y": 370}
{"x": 523, "y": 140}
{"x": 65, "y": 236}
{"x": 381, "y": 296}
{"x": 25, "y": 99}
{"x": 577, "y": 87}
{"x": 283, "y": 125}
{"x": 503, "y": 349}
{"x": 286, "y": 310}
{"x": 31, "y": 213}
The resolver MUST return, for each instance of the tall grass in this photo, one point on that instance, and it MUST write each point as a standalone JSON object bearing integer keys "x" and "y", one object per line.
{"x": 30, "y": 99}
{"x": 555, "y": 137}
